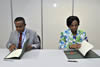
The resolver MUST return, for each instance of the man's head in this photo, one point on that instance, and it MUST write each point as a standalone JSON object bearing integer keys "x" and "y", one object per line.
{"x": 20, "y": 24}
{"x": 73, "y": 23}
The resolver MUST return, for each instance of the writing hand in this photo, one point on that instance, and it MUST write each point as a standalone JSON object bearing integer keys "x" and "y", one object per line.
{"x": 12, "y": 47}
{"x": 29, "y": 47}
{"x": 75, "y": 46}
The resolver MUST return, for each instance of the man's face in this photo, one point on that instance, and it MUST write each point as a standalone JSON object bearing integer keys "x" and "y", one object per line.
{"x": 74, "y": 26}
{"x": 20, "y": 26}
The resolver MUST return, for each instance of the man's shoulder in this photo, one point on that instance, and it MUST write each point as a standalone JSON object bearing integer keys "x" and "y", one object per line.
{"x": 30, "y": 31}
{"x": 14, "y": 32}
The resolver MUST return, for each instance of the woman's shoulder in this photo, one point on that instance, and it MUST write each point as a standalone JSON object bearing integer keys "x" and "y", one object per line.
{"x": 67, "y": 31}
{"x": 81, "y": 31}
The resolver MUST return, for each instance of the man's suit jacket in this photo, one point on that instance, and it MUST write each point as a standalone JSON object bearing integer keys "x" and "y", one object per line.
{"x": 31, "y": 35}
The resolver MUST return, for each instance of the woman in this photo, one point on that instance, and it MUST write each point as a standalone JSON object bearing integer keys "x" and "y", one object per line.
{"x": 72, "y": 37}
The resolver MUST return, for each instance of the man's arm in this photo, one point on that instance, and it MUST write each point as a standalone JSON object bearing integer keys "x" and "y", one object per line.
{"x": 9, "y": 44}
{"x": 34, "y": 42}
{"x": 9, "y": 41}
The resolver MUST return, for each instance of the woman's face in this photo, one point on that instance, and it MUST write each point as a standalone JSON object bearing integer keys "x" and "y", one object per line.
{"x": 74, "y": 26}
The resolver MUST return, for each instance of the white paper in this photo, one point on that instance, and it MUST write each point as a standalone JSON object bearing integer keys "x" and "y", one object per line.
{"x": 15, "y": 53}
{"x": 85, "y": 47}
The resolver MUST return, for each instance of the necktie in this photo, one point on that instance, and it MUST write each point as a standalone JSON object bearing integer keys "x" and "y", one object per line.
{"x": 20, "y": 39}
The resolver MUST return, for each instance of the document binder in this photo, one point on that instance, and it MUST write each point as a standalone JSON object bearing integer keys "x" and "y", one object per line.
{"x": 18, "y": 53}
{"x": 77, "y": 55}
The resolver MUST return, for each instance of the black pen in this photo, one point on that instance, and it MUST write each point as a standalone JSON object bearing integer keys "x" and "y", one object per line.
{"x": 72, "y": 61}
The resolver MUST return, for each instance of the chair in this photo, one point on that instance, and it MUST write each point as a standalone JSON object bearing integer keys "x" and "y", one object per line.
{"x": 39, "y": 41}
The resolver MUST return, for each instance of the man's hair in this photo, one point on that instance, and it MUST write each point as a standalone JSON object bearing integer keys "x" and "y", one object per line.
{"x": 19, "y": 19}
{"x": 70, "y": 19}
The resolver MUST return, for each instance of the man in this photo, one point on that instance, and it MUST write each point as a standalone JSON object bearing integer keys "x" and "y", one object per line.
{"x": 72, "y": 37}
{"x": 20, "y": 35}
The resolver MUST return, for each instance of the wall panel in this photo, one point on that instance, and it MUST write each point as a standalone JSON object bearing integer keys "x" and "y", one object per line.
{"x": 5, "y": 22}
{"x": 88, "y": 12}
{"x": 55, "y": 13}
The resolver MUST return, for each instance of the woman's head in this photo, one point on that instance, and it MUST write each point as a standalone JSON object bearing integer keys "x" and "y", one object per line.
{"x": 73, "y": 23}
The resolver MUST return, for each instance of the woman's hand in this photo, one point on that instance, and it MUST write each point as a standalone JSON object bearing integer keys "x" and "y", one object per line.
{"x": 75, "y": 46}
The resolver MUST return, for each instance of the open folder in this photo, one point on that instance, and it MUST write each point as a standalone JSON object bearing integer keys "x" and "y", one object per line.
{"x": 85, "y": 51}
{"x": 18, "y": 53}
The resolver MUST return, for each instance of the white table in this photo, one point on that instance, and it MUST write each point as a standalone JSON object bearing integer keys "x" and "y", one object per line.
{"x": 46, "y": 58}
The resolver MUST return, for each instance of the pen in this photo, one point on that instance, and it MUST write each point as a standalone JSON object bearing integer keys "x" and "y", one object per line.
{"x": 72, "y": 61}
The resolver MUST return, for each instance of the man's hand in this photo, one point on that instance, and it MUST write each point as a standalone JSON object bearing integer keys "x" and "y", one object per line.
{"x": 75, "y": 46}
{"x": 29, "y": 47}
{"x": 12, "y": 47}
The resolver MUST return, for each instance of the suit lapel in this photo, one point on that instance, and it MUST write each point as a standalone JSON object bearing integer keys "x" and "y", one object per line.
{"x": 16, "y": 38}
{"x": 27, "y": 35}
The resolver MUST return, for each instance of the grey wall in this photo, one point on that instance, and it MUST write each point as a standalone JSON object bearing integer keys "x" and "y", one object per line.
{"x": 48, "y": 19}
{"x": 54, "y": 17}
{"x": 31, "y": 11}
{"x": 5, "y": 22}
{"x": 88, "y": 12}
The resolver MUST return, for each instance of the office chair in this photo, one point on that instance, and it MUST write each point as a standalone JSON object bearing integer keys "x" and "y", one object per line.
{"x": 39, "y": 41}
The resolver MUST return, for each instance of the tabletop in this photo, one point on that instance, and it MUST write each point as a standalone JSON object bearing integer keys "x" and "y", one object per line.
{"x": 46, "y": 58}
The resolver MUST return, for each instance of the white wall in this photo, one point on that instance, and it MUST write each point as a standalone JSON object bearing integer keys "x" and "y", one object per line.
{"x": 5, "y": 22}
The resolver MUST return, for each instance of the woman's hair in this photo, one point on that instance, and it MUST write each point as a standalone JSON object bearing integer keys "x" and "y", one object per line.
{"x": 70, "y": 19}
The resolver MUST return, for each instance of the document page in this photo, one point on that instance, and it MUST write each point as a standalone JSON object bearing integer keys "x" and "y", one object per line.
{"x": 85, "y": 47}
{"x": 15, "y": 53}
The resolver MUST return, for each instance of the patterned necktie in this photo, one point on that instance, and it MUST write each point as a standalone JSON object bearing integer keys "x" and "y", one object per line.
{"x": 20, "y": 39}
